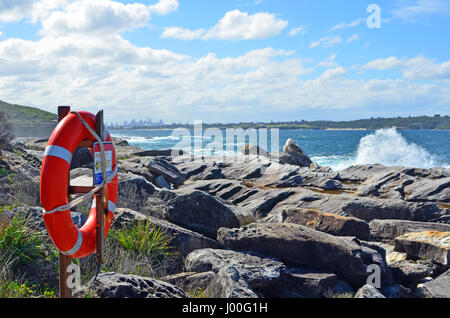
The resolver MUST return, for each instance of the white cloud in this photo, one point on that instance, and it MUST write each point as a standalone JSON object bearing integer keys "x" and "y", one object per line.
{"x": 42, "y": 9}
{"x": 237, "y": 25}
{"x": 383, "y": 64}
{"x": 96, "y": 17}
{"x": 234, "y": 25}
{"x": 13, "y": 11}
{"x": 345, "y": 25}
{"x": 82, "y": 60}
{"x": 329, "y": 61}
{"x": 421, "y": 67}
{"x": 182, "y": 34}
{"x": 328, "y": 41}
{"x": 333, "y": 73}
{"x": 17, "y": 10}
{"x": 417, "y": 68}
{"x": 126, "y": 80}
{"x": 164, "y": 7}
{"x": 414, "y": 10}
{"x": 352, "y": 38}
{"x": 297, "y": 30}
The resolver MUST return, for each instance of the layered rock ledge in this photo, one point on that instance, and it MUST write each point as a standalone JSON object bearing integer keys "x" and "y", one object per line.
{"x": 270, "y": 225}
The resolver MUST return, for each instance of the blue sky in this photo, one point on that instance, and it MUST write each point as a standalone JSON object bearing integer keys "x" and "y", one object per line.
{"x": 227, "y": 61}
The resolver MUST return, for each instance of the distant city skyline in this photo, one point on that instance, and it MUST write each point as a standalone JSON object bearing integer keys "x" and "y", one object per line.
{"x": 228, "y": 61}
{"x": 135, "y": 123}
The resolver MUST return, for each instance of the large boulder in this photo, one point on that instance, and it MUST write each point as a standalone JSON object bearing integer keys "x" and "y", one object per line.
{"x": 237, "y": 274}
{"x": 368, "y": 209}
{"x": 229, "y": 283}
{"x": 368, "y": 291}
{"x": 309, "y": 282}
{"x": 162, "y": 167}
{"x": 432, "y": 245}
{"x": 301, "y": 245}
{"x": 294, "y": 155}
{"x": 329, "y": 223}
{"x": 368, "y": 172}
{"x": 386, "y": 230}
{"x": 200, "y": 212}
{"x": 437, "y": 288}
{"x": 114, "y": 285}
{"x": 410, "y": 273}
{"x": 134, "y": 191}
{"x": 429, "y": 190}
{"x": 151, "y": 168}
{"x": 411, "y": 184}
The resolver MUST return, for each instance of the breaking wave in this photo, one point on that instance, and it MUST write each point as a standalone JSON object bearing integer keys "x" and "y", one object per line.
{"x": 388, "y": 147}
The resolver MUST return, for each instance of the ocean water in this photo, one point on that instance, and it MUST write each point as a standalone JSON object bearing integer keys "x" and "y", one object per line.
{"x": 337, "y": 149}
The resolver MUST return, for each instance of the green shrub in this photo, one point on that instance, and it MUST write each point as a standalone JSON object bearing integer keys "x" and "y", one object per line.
{"x": 14, "y": 289}
{"x": 142, "y": 239}
{"x": 199, "y": 293}
{"x": 20, "y": 240}
{"x": 138, "y": 249}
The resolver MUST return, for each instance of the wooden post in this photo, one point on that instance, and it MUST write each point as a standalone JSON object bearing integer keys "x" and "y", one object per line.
{"x": 101, "y": 203}
{"x": 63, "y": 111}
{"x": 64, "y": 260}
{"x": 99, "y": 226}
{"x": 101, "y": 207}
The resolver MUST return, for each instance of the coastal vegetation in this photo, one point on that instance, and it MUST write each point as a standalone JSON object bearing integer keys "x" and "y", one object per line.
{"x": 411, "y": 122}
{"x": 24, "y": 115}
{"x": 18, "y": 114}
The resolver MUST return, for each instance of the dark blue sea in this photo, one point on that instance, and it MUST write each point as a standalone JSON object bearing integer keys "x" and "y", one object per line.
{"x": 337, "y": 149}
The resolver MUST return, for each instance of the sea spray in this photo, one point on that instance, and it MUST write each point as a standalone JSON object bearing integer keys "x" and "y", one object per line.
{"x": 388, "y": 147}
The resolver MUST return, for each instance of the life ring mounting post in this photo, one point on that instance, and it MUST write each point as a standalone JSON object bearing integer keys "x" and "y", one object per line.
{"x": 100, "y": 201}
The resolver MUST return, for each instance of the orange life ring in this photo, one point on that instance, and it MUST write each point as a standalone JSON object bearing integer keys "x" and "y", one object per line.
{"x": 70, "y": 240}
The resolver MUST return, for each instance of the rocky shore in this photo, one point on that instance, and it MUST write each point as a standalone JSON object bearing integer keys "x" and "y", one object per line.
{"x": 269, "y": 228}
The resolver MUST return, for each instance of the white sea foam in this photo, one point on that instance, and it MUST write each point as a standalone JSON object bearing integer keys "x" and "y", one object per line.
{"x": 388, "y": 147}
{"x": 142, "y": 140}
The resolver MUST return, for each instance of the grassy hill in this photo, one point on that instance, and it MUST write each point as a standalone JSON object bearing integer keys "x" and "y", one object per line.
{"x": 24, "y": 115}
